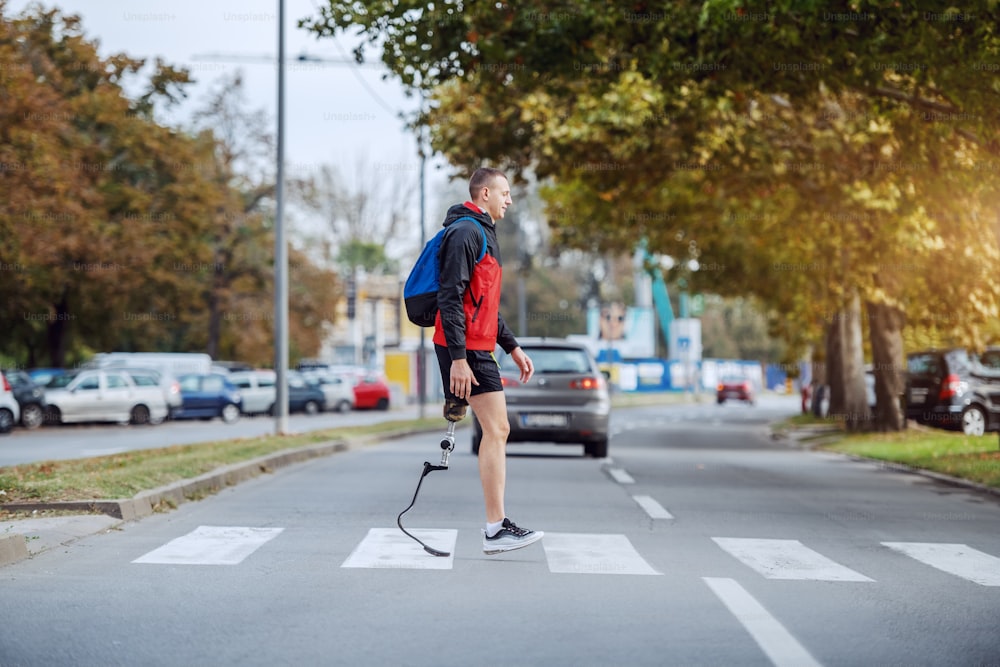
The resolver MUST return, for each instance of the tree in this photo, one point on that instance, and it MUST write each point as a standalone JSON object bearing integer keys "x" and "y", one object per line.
{"x": 694, "y": 108}
{"x": 119, "y": 232}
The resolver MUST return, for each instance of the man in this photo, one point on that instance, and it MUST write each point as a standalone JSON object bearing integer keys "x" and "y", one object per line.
{"x": 467, "y": 330}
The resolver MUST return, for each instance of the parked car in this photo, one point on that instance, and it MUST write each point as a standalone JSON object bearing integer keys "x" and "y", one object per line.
{"x": 10, "y": 412}
{"x": 303, "y": 395}
{"x": 98, "y": 395}
{"x": 736, "y": 388}
{"x": 952, "y": 389}
{"x": 566, "y": 401}
{"x": 168, "y": 384}
{"x": 370, "y": 392}
{"x": 30, "y": 398}
{"x": 258, "y": 389}
{"x": 209, "y": 395}
{"x": 337, "y": 390}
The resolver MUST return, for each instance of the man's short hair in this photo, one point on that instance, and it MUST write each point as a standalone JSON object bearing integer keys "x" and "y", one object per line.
{"x": 482, "y": 178}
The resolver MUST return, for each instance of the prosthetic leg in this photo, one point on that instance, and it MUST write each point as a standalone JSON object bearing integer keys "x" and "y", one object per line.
{"x": 454, "y": 412}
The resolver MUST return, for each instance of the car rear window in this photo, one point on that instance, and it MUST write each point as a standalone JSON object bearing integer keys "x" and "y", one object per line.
{"x": 990, "y": 360}
{"x": 922, "y": 364}
{"x": 144, "y": 380}
{"x": 553, "y": 360}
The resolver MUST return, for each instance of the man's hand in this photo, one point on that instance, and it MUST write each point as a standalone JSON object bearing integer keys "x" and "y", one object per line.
{"x": 523, "y": 362}
{"x": 462, "y": 378}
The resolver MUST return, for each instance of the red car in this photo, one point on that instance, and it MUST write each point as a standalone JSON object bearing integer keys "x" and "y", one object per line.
{"x": 370, "y": 391}
{"x": 740, "y": 389}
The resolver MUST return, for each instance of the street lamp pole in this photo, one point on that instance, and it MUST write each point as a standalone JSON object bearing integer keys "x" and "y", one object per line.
{"x": 422, "y": 353}
{"x": 280, "y": 250}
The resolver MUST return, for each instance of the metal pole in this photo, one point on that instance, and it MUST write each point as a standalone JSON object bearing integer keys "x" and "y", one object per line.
{"x": 280, "y": 250}
{"x": 421, "y": 353}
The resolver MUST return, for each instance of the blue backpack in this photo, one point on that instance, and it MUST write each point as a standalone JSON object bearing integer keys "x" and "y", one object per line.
{"x": 420, "y": 293}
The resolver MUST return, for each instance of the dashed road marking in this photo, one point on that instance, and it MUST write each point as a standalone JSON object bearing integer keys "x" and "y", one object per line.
{"x": 654, "y": 509}
{"x": 579, "y": 553}
{"x": 958, "y": 559}
{"x": 772, "y": 637}
{"x": 620, "y": 476}
{"x": 389, "y": 548}
{"x": 211, "y": 545}
{"x": 786, "y": 559}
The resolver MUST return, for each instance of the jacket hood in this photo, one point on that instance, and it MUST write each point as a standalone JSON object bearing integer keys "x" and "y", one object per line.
{"x": 462, "y": 211}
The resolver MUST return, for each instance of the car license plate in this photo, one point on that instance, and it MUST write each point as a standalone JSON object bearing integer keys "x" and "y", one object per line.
{"x": 541, "y": 419}
{"x": 918, "y": 395}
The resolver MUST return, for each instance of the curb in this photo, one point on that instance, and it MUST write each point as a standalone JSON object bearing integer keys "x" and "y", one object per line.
{"x": 13, "y": 547}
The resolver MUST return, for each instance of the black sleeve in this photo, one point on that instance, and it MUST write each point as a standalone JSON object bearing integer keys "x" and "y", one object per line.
{"x": 460, "y": 249}
{"x": 505, "y": 337}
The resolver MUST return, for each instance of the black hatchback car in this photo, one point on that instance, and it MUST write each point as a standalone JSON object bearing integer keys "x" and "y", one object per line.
{"x": 953, "y": 389}
{"x": 30, "y": 397}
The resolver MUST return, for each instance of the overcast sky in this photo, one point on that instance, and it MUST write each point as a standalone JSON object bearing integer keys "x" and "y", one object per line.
{"x": 335, "y": 113}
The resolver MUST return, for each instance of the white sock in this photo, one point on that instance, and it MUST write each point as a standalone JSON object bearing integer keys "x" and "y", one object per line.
{"x": 493, "y": 528}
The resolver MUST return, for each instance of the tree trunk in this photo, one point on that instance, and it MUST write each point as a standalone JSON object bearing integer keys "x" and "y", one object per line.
{"x": 214, "y": 323}
{"x": 845, "y": 368}
{"x": 57, "y": 330}
{"x": 835, "y": 364}
{"x": 886, "y": 336}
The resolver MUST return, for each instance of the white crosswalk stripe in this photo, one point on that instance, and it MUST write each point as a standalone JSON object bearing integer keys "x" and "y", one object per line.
{"x": 389, "y": 548}
{"x": 578, "y": 553}
{"x": 786, "y": 559}
{"x": 958, "y": 559}
{"x": 211, "y": 545}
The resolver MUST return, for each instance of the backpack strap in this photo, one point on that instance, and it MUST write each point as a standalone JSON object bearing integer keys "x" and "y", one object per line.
{"x": 482, "y": 253}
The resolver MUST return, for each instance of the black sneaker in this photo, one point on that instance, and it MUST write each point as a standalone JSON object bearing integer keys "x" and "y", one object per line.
{"x": 509, "y": 537}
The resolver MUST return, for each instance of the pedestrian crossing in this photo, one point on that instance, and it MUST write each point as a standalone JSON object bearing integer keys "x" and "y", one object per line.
{"x": 581, "y": 553}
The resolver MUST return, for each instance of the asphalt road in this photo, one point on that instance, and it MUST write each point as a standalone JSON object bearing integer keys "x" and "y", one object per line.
{"x": 699, "y": 542}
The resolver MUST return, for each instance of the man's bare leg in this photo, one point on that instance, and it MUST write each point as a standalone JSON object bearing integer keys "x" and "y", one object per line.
{"x": 491, "y": 411}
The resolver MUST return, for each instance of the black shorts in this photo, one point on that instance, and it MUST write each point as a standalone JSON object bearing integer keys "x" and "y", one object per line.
{"x": 484, "y": 366}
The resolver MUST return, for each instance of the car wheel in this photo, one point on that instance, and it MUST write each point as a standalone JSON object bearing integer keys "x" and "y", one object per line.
{"x": 383, "y": 404}
{"x": 230, "y": 413}
{"x": 52, "y": 415}
{"x": 597, "y": 450}
{"x": 311, "y": 407}
{"x": 720, "y": 401}
{"x": 6, "y": 420}
{"x": 140, "y": 415}
{"x": 973, "y": 421}
{"x": 32, "y": 416}
{"x": 344, "y": 406}
{"x": 272, "y": 410}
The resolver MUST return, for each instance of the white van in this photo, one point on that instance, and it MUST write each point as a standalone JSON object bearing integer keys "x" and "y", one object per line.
{"x": 171, "y": 363}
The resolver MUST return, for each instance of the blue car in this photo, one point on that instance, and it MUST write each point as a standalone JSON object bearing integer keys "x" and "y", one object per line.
{"x": 208, "y": 396}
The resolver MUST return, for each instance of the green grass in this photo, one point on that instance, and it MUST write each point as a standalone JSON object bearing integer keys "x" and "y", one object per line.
{"x": 975, "y": 459}
{"x": 124, "y": 475}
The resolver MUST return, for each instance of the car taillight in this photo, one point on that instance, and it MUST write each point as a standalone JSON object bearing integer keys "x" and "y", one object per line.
{"x": 509, "y": 382}
{"x": 746, "y": 386}
{"x": 587, "y": 383}
{"x": 721, "y": 387}
{"x": 6, "y": 384}
{"x": 951, "y": 387}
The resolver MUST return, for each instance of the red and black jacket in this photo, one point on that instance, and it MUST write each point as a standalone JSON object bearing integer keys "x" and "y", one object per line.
{"x": 469, "y": 295}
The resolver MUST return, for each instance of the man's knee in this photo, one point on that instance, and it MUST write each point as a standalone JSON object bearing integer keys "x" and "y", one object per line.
{"x": 496, "y": 429}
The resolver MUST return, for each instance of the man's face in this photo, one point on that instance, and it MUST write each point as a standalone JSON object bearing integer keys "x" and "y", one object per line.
{"x": 497, "y": 197}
